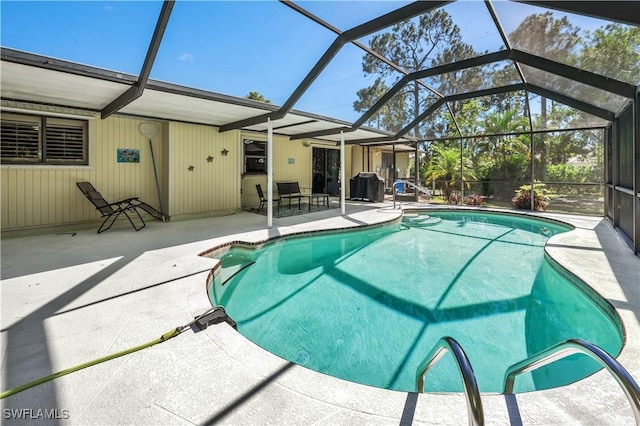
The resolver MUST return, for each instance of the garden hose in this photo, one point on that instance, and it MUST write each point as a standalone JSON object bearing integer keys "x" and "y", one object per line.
{"x": 166, "y": 336}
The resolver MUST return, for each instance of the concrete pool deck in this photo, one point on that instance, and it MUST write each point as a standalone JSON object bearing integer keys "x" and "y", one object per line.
{"x": 76, "y": 296}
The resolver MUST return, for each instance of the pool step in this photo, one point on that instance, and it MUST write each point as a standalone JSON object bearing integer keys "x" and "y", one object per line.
{"x": 420, "y": 220}
{"x": 228, "y": 272}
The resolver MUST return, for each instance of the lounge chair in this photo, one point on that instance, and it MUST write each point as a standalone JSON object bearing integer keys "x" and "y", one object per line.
{"x": 111, "y": 211}
{"x": 263, "y": 200}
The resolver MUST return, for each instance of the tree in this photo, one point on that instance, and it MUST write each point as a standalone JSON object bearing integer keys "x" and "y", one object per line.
{"x": 543, "y": 35}
{"x": 556, "y": 39}
{"x": 507, "y": 122}
{"x": 414, "y": 44}
{"x": 613, "y": 52}
{"x": 446, "y": 166}
{"x": 255, "y": 96}
{"x": 391, "y": 116}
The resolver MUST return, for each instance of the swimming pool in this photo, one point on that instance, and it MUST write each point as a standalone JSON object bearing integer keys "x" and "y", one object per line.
{"x": 368, "y": 305}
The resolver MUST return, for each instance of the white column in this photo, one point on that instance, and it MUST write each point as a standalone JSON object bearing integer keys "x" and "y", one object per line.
{"x": 269, "y": 173}
{"x": 342, "y": 167}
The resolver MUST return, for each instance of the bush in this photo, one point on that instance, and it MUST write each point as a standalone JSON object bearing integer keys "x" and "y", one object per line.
{"x": 522, "y": 200}
{"x": 474, "y": 200}
{"x": 453, "y": 199}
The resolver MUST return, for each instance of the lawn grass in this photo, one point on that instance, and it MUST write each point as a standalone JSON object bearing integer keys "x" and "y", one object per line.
{"x": 590, "y": 206}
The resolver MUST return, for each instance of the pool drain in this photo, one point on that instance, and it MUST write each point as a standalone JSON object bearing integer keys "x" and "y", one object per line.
{"x": 302, "y": 357}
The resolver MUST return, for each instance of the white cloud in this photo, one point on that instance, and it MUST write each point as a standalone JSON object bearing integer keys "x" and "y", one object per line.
{"x": 109, "y": 8}
{"x": 187, "y": 57}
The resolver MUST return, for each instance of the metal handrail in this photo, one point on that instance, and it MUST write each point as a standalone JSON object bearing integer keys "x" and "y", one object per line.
{"x": 570, "y": 347}
{"x": 446, "y": 343}
{"x": 411, "y": 185}
{"x": 419, "y": 188}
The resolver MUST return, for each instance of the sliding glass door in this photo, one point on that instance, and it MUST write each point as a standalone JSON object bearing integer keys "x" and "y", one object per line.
{"x": 326, "y": 166}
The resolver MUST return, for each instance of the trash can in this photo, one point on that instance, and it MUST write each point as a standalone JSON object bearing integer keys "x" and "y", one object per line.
{"x": 399, "y": 185}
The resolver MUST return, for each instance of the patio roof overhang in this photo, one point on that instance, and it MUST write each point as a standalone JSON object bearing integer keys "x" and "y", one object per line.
{"x": 29, "y": 79}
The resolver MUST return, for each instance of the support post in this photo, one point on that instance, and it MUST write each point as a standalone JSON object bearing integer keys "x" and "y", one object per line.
{"x": 269, "y": 173}
{"x": 342, "y": 173}
{"x": 636, "y": 173}
{"x": 393, "y": 175}
{"x": 416, "y": 166}
{"x": 533, "y": 178}
{"x": 527, "y": 106}
{"x": 461, "y": 171}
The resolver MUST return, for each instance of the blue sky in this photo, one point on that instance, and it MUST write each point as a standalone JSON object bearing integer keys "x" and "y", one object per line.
{"x": 230, "y": 47}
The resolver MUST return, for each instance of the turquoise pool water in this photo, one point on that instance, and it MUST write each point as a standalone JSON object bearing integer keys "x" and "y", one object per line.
{"x": 367, "y": 306}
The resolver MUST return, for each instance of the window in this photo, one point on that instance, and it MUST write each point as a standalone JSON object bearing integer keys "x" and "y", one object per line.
{"x": 255, "y": 157}
{"x": 31, "y": 139}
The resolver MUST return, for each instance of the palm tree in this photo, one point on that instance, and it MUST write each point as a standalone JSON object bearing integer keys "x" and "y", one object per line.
{"x": 506, "y": 122}
{"x": 446, "y": 166}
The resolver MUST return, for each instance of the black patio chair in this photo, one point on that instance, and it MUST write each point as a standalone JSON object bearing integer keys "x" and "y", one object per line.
{"x": 263, "y": 200}
{"x": 111, "y": 211}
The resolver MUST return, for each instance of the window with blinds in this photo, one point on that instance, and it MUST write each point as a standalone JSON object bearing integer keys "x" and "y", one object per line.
{"x": 28, "y": 139}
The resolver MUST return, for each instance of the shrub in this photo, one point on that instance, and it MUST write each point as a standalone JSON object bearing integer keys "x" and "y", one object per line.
{"x": 522, "y": 200}
{"x": 453, "y": 199}
{"x": 474, "y": 200}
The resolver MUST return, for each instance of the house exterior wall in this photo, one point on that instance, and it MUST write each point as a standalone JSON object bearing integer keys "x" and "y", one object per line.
{"x": 374, "y": 161}
{"x": 356, "y": 163}
{"x": 37, "y": 196}
{"x": 41, "y": 196}
{"x": 292, "y": 162}
{"x": 403, "y": 163}
{"x": 197, "y": 186}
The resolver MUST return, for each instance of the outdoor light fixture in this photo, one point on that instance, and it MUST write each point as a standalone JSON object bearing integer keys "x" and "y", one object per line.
{"x": 148, "y": 129}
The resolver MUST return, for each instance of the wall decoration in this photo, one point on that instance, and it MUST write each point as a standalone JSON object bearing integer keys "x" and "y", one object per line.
{"x": 224, "y": 152}
{"x": 291, "y": 160}
{"x": 191, "y": 168}
{"x": 209, "y": 159}
{"x": 128, "y": 155}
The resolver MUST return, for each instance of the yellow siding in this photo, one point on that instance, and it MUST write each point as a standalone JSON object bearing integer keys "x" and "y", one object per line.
{"x": 249, "y": 192}
{"x": 35, "y": 196}
{"x": 356, "y": 164}
{"x": 121, "y": 180}
{"x": 299, "y": 170}
{"x": 210, "y": 186}
{"x": 403, "y": 161}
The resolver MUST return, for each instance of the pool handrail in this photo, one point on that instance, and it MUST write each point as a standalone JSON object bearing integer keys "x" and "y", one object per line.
{"x": 570, "y": 347}
{"x": 472, "y": 394}
{"x": 412, "y": 185}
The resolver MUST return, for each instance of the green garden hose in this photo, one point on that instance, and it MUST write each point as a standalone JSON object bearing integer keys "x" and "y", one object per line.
{"x": 166, "y": 336}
